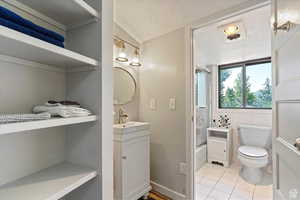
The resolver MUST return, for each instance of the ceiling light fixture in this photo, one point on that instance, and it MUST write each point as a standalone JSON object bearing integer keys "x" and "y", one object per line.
{"x": 136, "y": 59}
{"x": 232, "y": 32}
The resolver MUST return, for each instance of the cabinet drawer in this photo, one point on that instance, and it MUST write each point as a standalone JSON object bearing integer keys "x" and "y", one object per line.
{"x": 216, "y": 149}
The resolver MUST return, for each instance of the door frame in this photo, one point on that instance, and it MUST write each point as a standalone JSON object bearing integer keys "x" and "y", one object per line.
{"x": 189, "y": 66}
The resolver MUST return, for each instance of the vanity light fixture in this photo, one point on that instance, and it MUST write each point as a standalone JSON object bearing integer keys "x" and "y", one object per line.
{"x": 136, "y": 59}
{"x": 122, "y": 57}
{"x": 232, "y": 32}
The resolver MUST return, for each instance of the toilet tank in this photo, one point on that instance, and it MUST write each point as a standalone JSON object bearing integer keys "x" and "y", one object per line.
{"x": 255, "y": 136}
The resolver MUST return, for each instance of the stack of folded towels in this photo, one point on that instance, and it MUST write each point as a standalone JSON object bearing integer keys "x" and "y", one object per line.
{"x": 12, "y": 118}
{"x": 14, "y": 21}
{"x": 50, "y": 109}
{"x": 62, "y": 109}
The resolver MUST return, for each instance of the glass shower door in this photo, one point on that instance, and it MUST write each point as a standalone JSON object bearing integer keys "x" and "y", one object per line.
{"x": 202, "y": 105}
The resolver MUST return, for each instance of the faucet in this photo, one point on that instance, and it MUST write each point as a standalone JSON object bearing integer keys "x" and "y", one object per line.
{"x": 123, "y": 116}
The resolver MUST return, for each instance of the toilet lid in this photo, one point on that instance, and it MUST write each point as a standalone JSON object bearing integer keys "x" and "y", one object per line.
{"x": 253, "y": 151}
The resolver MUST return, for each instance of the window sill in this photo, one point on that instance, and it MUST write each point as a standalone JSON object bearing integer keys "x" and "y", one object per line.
{"x": 257, "y": 111}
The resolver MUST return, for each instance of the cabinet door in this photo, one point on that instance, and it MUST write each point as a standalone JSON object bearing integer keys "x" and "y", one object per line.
{"x": 136, "y": 166}
{"x": 217, "y": 150}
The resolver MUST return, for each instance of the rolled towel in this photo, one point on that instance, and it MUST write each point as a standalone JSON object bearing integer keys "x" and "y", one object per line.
{"x": 10, "y": 118}
{"x": 11, "y": 16}
{"x": 29, "y": 32}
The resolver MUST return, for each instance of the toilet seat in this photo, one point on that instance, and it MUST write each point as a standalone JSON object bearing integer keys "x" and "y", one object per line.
{"x": 252, "y": 152}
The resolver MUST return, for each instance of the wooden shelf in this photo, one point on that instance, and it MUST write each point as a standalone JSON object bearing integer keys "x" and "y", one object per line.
{"x": 49, "y": 184}
{"x": 19, "y": 45}
{"x": 40, "y": 124}
{"x": 64, "y": 12}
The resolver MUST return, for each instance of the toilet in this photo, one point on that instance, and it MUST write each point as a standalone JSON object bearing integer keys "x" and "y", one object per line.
{"x": 253, "y": 153}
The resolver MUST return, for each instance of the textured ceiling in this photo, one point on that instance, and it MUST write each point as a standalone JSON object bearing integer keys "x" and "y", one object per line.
{"x": 147, "y": 19}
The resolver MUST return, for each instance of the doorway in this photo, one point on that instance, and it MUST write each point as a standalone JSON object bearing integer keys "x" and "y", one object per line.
{"x": 217, "y": 175}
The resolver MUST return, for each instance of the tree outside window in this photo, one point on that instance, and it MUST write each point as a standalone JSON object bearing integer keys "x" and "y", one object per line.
{"x": 246, "y": 85}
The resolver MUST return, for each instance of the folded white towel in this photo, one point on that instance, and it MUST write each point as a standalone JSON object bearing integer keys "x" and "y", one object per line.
{"x": 10, "y": 118}
{"x": 62, "y": 111}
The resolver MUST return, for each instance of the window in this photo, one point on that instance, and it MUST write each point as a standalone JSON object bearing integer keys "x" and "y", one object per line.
{"x": 201, "y": 89}
{"x": 246, "y": 85}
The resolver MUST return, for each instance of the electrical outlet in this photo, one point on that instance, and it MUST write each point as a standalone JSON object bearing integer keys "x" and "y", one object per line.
{"x": 182, "y": 168}
{"x": 172, "y": 104}
{"x": 153, "y": 104}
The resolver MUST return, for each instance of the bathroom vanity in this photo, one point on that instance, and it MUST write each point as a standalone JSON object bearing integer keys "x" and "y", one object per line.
{"x": 219, "y": 146}
{"x": 131, "y": 160}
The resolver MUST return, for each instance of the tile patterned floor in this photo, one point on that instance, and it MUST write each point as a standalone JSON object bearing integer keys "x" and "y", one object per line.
{"x": 214, "y": 182}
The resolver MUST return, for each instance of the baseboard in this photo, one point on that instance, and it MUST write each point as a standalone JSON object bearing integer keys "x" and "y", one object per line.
{"x": 167, "y": 191}
{"x": 279, "y": 195}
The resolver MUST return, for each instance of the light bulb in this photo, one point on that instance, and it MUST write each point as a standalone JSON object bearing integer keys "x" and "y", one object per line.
{"x": 232, "y": 29}
{"x": 136, "y": 60}
{"x": 232, "y": 32}
{"x": 122, "y": 57}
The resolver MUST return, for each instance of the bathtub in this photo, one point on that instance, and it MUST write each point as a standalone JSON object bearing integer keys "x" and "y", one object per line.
{"x": 201, "y": 158}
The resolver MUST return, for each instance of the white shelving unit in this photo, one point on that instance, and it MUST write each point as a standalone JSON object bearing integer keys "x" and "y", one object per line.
{"x": 59, "y": 158}
{"x": 219, "y": 146}
{"x": 49, "y": 184}
{"x": 19, "y": 45}
{"x": 60, "y": 13}
{"x": 35, "y": 125}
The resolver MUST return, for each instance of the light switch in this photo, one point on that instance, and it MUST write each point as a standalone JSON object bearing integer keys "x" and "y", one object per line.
{"x": 182, "y": 168}
{"x": 153, "y": 104}
{"x": 172, "y": 104}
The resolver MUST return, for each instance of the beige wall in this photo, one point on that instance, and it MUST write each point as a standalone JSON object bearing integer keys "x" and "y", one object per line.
{"x": 163, "y": 77}
{"x": 131, "y": 108}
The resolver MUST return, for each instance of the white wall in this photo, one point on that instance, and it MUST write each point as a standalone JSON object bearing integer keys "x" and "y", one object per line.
{"x": 238, "y": 116}
{"x": 162, "y": 77}
{"x": 132, "y": 108}
{"x": 211, "y": 50}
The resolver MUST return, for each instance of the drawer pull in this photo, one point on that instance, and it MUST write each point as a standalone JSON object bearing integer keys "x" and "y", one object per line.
{"x": 124, "y": 157}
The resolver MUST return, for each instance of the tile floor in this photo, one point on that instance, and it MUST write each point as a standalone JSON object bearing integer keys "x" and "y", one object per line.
{"x": 214, "y": 182}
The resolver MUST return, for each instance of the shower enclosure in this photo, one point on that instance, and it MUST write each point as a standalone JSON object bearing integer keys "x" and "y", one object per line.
{"x": 203, "y": 112}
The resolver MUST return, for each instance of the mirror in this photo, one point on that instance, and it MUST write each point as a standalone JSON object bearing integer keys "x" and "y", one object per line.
{"x": 124, "y": 86}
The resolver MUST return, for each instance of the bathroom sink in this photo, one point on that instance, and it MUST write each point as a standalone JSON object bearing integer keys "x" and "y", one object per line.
{"x": 128, "y": 124}
{"x": 130, "y": 127}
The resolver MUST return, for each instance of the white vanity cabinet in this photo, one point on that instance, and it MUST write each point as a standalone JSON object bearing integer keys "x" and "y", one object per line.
{"x": 131, "y": 161}
{"x": 219, "y": 145}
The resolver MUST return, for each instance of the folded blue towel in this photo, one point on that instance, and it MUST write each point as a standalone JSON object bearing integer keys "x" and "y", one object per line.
{"x": 30, "y": 32}
{"x": 11, "y": 16}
